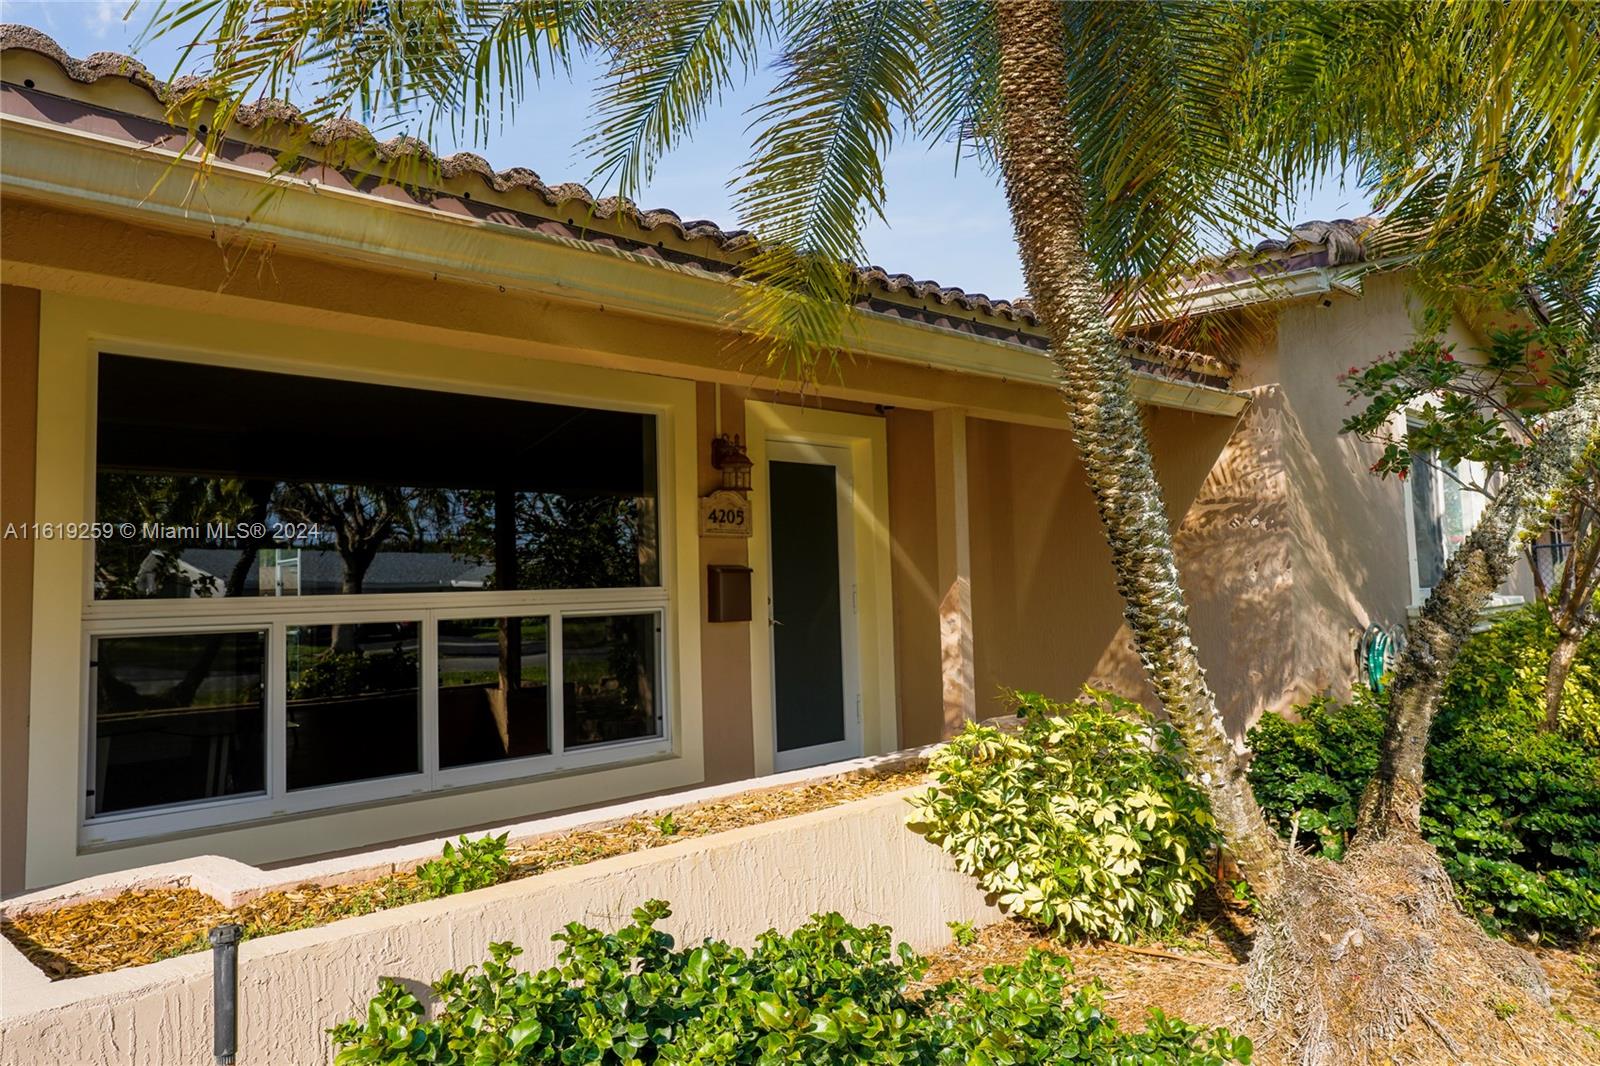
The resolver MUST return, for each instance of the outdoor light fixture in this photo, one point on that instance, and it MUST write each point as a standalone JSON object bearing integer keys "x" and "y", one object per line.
{"x": 728, "y": 456}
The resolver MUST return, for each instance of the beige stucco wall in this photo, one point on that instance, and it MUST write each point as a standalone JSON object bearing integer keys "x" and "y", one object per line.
{"x": 858, "y": 859}
{"x": 1046, "y": 615}
{"x": 724, "y": 646}
{"x": 19, "y": 376}
{"x": 915, "y": 566}
{"x": 1292, "y": 547}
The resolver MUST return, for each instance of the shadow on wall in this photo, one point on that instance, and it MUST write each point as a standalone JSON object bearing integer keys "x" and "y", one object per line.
{"x": 1045, "y": 606}
{"x": 1235, "y": 562}
{"x": 1348, "y": 536}
{"x": 1287, "y": 551}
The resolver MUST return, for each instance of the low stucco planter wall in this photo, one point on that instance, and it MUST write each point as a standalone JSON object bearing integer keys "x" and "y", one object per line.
{"x": 858, "y": 859}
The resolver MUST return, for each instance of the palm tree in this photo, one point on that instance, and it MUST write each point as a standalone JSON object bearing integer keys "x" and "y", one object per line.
{"x": 1129, "y": 137}
{"x": 1044, "y": 180}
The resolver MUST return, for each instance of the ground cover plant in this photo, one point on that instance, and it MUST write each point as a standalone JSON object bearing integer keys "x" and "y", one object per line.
{"x": 1085, "y": 820}
{"x": 1514, "y": 810}
{"x": 466, "y": 865}
{"x": 829, "y": 993}
{"x": 142, "y": 926}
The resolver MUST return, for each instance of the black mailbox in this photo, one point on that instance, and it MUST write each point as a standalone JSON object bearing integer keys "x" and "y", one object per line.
{"x": 728, "y": 593}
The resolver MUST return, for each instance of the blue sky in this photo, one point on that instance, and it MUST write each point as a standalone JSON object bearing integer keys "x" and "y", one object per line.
{"x": 944, "y": 222}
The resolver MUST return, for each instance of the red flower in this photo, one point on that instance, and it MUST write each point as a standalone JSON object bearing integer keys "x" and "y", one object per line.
{"x": 1449, "y": 358}
{"x": 1351, "y": 372}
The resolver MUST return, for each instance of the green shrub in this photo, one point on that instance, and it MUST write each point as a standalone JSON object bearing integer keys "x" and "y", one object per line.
{"x": 474, "y": 864}
{"x": 1084, "y": 821}
{"x": 1513, "y": 810}
{"x": 1504, "y": 669}
{"x": 1317, "y": 766}
{"x": 830, "y": 993}
{"x": 962, "y": 934}
{"x": 331, "y": 673}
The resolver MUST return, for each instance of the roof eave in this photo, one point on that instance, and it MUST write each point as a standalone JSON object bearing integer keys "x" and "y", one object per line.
{"x": 396, "y": 235}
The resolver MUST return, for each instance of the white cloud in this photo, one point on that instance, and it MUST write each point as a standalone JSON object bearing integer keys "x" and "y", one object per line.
{"x": 105, "y": 18}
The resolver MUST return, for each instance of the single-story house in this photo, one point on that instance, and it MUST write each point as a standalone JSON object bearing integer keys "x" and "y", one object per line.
{"x": 339, "y": 510}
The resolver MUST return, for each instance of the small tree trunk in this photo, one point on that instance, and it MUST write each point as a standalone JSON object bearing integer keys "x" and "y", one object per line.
{"x": 356, "y": 563}
{"x": 1555, "y": 678}
{"x": 1572, "y": 608}
{"x": 1393, "y": 799}
{"x": 1045, "y": 188}
{"x": 184, "y": 692}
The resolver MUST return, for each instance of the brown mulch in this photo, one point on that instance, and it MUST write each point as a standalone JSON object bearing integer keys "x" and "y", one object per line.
{"x": 144, "y": 926}
{"x": 1199, "y": 976}
{"x": 1196, "y": 974}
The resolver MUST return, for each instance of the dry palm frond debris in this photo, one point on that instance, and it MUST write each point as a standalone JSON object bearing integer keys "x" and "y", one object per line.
{"x": 1198, "y": 975}
{"x": 143, "y": 926}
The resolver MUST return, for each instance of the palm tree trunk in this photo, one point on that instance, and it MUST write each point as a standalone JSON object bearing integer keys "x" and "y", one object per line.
{"x": 1393, "y": 799}
{"x": 1044, "y": 185}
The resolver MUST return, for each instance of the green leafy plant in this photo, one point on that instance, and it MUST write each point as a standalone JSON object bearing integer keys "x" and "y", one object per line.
{"x": 828, "y": 994}
{"x": 1513, "y": 810}
{"x": 963, "y": 934}
{"x": 464, "y": 867}
{"x": 343, "y": 673}
{"x": 667, "y": 825}
{"x": 1504, "y": 669}
{"x": 1085, "y": 821}
{"x": 1317, "y": 766}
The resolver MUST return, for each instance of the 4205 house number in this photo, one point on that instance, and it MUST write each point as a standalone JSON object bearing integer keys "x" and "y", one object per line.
{"x": 724, "y": 513}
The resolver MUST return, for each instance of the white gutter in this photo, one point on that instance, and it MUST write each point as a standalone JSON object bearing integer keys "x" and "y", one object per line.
{"x": 1287, "y": 285}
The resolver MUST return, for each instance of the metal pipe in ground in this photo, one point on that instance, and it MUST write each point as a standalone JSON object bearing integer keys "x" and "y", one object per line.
{"x": 225, "y": 992}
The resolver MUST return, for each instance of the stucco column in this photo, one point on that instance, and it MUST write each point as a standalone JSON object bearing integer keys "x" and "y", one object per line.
{"x": 954, "y": 539}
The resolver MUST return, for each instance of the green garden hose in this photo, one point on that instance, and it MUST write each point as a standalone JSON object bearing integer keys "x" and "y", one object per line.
{"x": 1377, "y": 651}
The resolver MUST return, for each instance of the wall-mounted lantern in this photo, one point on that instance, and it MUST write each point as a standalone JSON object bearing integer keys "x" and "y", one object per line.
{"x": 728, "y": 456}
{"x": 726, "y": 512}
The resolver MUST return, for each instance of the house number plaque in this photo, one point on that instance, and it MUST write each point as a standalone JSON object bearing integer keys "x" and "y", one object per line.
{"x": 724, "y": 513}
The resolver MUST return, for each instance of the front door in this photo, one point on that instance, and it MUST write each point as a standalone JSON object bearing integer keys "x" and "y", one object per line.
{"x": 816, "y": 703}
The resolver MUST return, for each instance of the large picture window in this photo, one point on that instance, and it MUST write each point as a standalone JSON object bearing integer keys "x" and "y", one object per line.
{"x": 317, "y": 592}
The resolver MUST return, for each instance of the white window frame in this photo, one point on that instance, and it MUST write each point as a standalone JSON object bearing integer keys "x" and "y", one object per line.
{"x": 274, "y": 614}
{"x": 1477, "y": 501}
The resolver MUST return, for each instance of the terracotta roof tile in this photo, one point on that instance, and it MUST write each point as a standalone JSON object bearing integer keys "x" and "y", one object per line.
{"x": 1326, "y": 243}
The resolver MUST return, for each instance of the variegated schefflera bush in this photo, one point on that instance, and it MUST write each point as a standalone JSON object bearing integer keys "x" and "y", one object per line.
{"x": 1085, "y": 820}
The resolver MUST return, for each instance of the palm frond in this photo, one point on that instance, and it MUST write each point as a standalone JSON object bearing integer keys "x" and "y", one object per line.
{"x": 1438, "y": 105}
{"x": 673, "y": 62}
{"x": 849, "y": 79}
{"x": 1157, "y": 93}
{"x": 961, "y": 76}
{"x": 422, "y": 64}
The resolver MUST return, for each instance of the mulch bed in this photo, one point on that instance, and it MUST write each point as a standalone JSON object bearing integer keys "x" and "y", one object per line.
{"x": 143, "y": 926}
{"x": 1199, "y": 976}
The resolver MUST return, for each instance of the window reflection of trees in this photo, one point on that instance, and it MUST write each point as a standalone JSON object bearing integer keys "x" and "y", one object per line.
{"x": 522, "y": 540}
